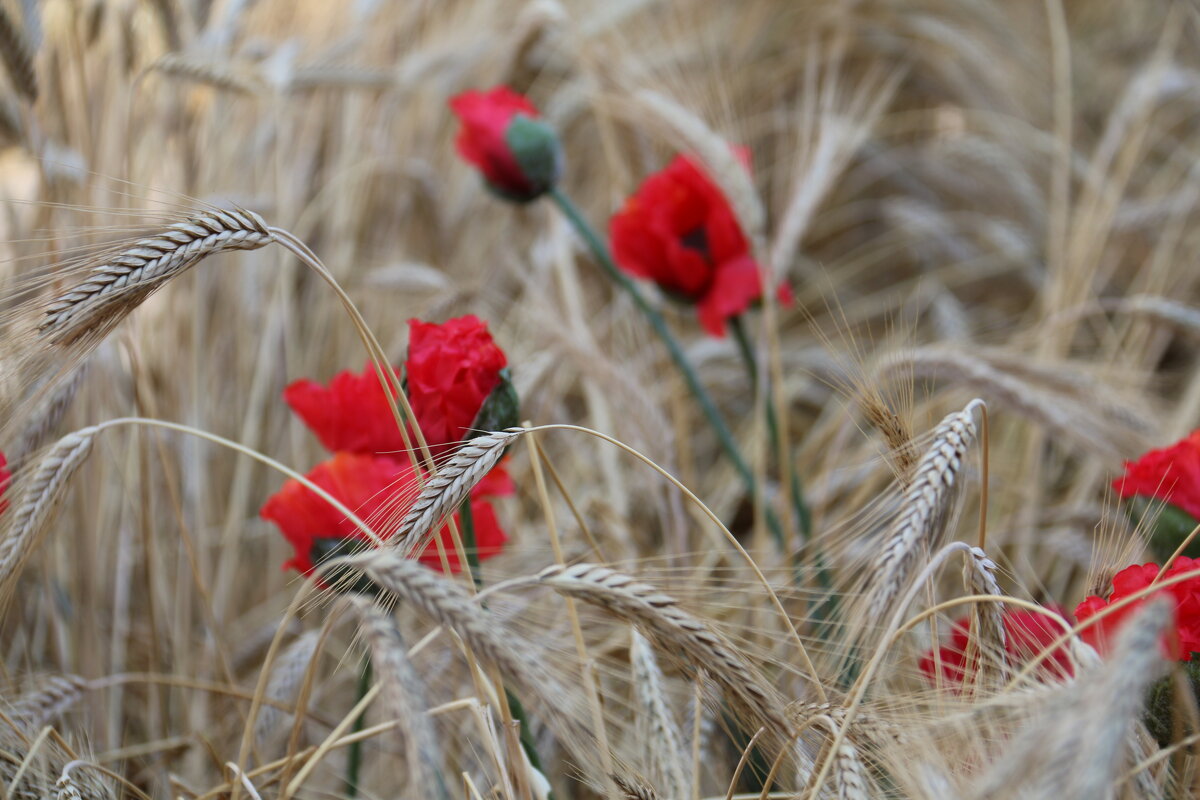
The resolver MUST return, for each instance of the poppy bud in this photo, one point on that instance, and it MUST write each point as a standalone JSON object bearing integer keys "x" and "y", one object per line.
{"x": 519, "y": 155}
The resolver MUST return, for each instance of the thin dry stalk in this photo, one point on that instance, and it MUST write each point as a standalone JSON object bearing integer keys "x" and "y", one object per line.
{"x": 925, "y": 508}
{"x": 40, "y": 498}
{"x": 287, "y": 676}
{"x": 445, "y": 492}
{"x": 17, "y": 55}
{"x": 120, "y": 280}
{"x": 402, "y": 697}
{"x": 677, "y": 632}
{"x": 1078, "y": 744}
{"x": 51, "y": 696}
{"x": 658, "y": 734}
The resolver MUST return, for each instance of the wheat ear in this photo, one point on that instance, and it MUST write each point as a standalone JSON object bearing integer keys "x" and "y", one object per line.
{"x": 678, "y": 632}
{"x": 657, "y": 730}
{"x": 402, "y": 696}
{"x": 444, "y": 493}
{"x": 219, "y": 74}
{"x": 1074, "y": 747}
{"x": 51, "y": 696}
{"x": 979, "y": 576}
{"x": 925, "y": 507}
{"x": 448, "y": 604}
{"x": 17, "y": 56}
{"x": 49, "y": 414}
{"x": 849, "y": 778}
{"x": 287, "y": 676}
{"x": 39, "y": 500}
{"x": 120, "y": 280}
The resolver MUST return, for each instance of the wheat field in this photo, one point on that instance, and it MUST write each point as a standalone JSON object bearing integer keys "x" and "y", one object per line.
{"x": 984, "y": 209}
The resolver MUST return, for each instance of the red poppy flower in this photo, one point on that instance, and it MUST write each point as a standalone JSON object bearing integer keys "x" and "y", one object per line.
{"x": 350, "y": 414}
{"x": 679, "y": 231}
{"x": 519, "y": 156}
{"x": 378, "y": 489}
{"x": 1182, "y": 641}
{"x": 451, "y": 370}
{"x": 1027, "y": 635}
{"x": 5, "y": 479}
{"x": 1171, "y": 474}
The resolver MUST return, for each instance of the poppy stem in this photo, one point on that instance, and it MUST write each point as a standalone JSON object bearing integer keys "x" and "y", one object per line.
{"x": 799, "y": 505}
{"x": 354, "y": 757}
{"x": 600, "y": 252}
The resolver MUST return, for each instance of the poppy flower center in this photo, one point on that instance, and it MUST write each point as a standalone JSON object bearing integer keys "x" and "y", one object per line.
{"x": 697, "y": 239}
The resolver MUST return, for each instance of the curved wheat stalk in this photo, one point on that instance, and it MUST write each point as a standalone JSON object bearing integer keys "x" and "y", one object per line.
{"x": 120, "y": 280}
{"x": 924, "y": 509}
{"x": 445, "y": 492}
{"x": 40, "y": 498}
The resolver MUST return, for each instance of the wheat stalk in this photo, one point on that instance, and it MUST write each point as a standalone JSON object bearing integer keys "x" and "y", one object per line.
{"x": 17, "y": 55}
{"x": 445, "y": 492}
{"x": 120, "y": 280}
{"x": 924, "y": 508}
{"x": 657, "y": 730}
{"x": 678, "y": 632}
{"x": 39, "y": 499}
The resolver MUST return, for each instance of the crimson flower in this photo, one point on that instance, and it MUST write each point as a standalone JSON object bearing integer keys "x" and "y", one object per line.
{"x": 501, "y": 135}
{"x": 1171, "y": 474}
{"x": 679, "y": 231}
{"x": 350, "y": 414}
{"x": 1027, "y": 634}
{"x": 451, "y": 370}
{"x": 5, "y": 480}
{"x": 1180, "y": 642}
{"x": 378, "y": 489}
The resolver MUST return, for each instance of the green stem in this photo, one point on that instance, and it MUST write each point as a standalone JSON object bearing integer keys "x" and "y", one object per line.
{"x": 799, "y": 504}
{"x": 659, "y": 324}
{"x": 467, "y": 523}
{"x": 354, "y": 759}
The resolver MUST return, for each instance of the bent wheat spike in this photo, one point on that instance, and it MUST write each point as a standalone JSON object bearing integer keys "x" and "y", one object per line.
{"x": 40, "y": 498}
{"x": 52, "y": 696}
{"x": 676, "y": 630}
{"x": 925, "y": 507}
{"x": 446, "y": 491}
{"x": 121, "y": 279}
{"x": 448, "y": 604}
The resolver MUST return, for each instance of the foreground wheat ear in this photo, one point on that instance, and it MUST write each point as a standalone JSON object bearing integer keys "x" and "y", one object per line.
{"x": 121, "y": 278}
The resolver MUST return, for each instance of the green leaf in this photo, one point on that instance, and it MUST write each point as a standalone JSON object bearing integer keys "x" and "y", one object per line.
{"x": 501, "y": 409}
